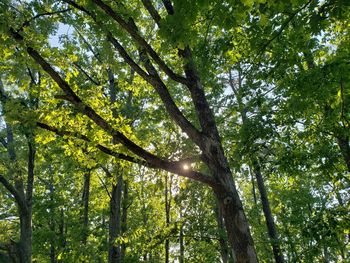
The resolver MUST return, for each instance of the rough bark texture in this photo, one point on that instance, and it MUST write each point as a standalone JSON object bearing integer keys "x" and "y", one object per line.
{"x": 236, "y": 226}
{"x": 222, "y": 237}
{"x": 25, "y": 241}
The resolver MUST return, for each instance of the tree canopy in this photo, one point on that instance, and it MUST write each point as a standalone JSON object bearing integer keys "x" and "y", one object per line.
{"x": 174, "y": 131}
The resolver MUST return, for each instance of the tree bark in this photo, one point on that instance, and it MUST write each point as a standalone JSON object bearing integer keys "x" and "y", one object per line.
{"x": 167, "y": 216}
{"x": 271, "y": 228}
{"x": 125, "y": 206}
{"x": 52, "y": 224}
{"x": 222, "y": 237}
{"x": 236, "y": 225}
{"x": 85, "y": 201}
{"x": 62, "y": 230}
{"x": 114, "y": 252}
{"x": 25, "y": 240}
{"x": 182, "y": 245}
{"x": 343, "y": 143}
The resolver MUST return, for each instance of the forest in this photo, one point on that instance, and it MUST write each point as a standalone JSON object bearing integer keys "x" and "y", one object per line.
{"x": 174, "y": 131}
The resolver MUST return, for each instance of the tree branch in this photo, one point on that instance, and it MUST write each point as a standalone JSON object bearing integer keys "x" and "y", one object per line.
{"x": 26, "y": 23}
{"x": 200, "y": 102}
{"x": 157, "y": 83}
{"x": 168, "y": 6}
{"x": 71, "y": 96}
{"x": 152, "y": 11}
{"x": 3, "y": 142}
{"x": 140, "y": 41}
{"x": 86, "y": 74}
{"x": 169, "y": 103}
{"x": 21, "y": 203}
{"x": 176, "y": 167}
{"x": 31, "y": 162}
{"x": 86, "y": 139}
{"x": 283, "y": 26}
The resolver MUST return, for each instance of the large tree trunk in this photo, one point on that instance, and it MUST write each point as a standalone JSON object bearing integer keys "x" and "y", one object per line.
{"x": 114, "y": 252}
{"x": 25, "y": 240}
{"x": 25, "y": 213}
{"x": 236, "y": 224}
{"x": 222, "y": 237}
{"x": 271, "y": 228}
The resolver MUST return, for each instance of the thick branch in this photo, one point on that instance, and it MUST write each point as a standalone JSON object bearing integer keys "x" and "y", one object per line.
{"x": 153, "y": 78}
{"x": 140, "y": 41}
{"x": 157, "y": 83}
{"x": 195, "y": 87}
{"x": 117, "y": 136}
{"x": 30, "y": 179}
{"x": 170, "y": 105}
{"x": 168, "y": 6}
{"x": 86, "y": 139}
{"x": 176, "y": 167}
{"x": 128, "y": 59}
{"x": 3, "y": 142}
{"x": 21, "y": 203}
{"x": 152, "y": 11}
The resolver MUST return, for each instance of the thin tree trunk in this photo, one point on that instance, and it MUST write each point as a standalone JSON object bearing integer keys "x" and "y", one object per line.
{"x": 25, "y": 212}
{"x": 114, "y": 252}
{"x": 125, "y": 206}
{"x": 271, "y": 228}
{"x": 182, "y": 245}
{"x": 253, "y": 189}
{"x": 167, "y": 216}
{"x": 62, "y": 230}
{"x": 257, "y": 171}
{"x": 52, "y": 225}
{"x": 343, "y": 143}
{"x": 85, "y": 201}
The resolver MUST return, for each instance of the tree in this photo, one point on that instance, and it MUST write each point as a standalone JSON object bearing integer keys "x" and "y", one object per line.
{"x": 148, "y": 83}
{"x": 206, "y": 138}
{"x": 17, "y": 180}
